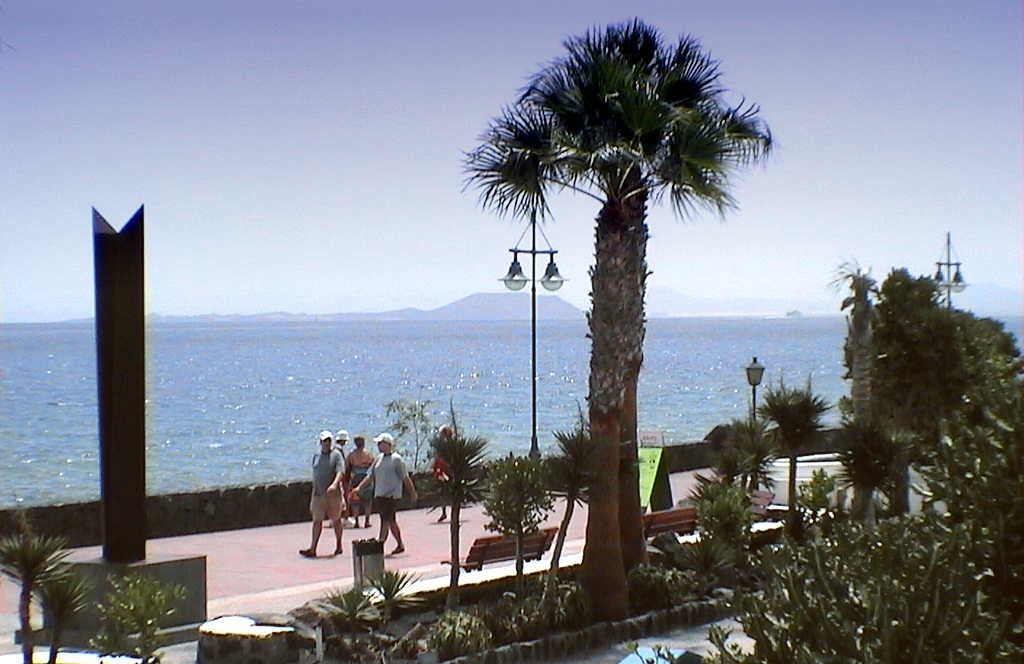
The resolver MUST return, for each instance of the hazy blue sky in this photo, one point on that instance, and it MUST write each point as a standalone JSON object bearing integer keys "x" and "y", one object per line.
{"x": 305, "y": 156}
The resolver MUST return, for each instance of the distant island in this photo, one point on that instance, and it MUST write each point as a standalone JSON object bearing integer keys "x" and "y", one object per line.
{"x": 476, "y": 307}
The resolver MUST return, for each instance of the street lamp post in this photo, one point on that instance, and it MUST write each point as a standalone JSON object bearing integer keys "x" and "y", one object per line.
{"x": 515, "y": 280}
{"x": 755, "y": 371}
{"x": 952, "y": 282}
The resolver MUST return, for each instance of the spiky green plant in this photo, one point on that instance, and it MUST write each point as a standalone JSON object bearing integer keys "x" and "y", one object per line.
{"x": 391, "y": 587}
{"x": 796, "y": 413}
{"x": 131, "y": 615}
{"x": 570, "y": 474}
{"x": 63, "y": 595}
{"x": 869, "y": 465}
{"x": 355, "y": 611}
{"x": 30, "y": 559}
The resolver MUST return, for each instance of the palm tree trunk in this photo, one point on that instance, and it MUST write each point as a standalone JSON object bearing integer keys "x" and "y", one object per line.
{"x": 556, "y": 555}
{"x": 25, "y": 617}
{"x": 602, "y": 574}
{"x": 634, "y": 550}
{"x": 452, "y": 600}
{"x": 616, "y": 332}
{"x": 791, "y": 514}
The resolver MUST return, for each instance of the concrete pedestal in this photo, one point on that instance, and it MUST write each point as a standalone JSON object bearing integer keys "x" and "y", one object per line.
{"x": 186, "y": 571}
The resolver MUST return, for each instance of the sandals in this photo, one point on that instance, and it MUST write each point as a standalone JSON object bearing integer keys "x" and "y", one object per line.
{"x": 307, "y": 553}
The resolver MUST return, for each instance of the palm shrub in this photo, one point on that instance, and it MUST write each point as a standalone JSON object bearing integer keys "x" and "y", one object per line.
{"x": 354, "y": 610}
{"x": 868, "y": 459}
{"x": 625, "y": 119}
{"x": 30, "y": 559}
{"x": 569, "y": 476}
{"x": 796, "y": 414}
{"x": 466, "y": 460}
{"x": 63, "y": 595}
{"x": 756, "y": 451}
{"x": 458, "y": 633}
{"x": 391, "y": 587}
{"x": 131, "y": 615}
{"x": 517, "y": 501}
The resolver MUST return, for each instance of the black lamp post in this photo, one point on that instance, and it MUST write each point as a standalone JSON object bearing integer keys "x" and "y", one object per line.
{"x": 952, "y": 282}
{"x": 516, "y": 280}
{"x": 755, "y": 371}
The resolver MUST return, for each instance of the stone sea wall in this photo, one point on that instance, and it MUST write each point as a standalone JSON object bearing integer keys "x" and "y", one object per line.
{"x": 231, "y": 508}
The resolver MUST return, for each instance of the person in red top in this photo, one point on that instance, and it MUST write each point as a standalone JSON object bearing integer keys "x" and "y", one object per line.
{"x": 440, "y": 467}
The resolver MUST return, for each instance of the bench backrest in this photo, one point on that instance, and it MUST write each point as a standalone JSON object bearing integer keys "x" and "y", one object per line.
{"x": 681, "y": 520}
{"x": 500, "y": 547}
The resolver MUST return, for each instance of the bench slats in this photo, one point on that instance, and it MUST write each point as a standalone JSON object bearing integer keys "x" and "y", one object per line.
{"x": 496, "y": 548}
{"x": 681, "y": 520}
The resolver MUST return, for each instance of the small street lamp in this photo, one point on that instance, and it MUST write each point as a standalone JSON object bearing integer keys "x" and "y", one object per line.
{"x": 952, "y": 282}
{"x": 755, "y": 372}
{"x": 515, "y": 280}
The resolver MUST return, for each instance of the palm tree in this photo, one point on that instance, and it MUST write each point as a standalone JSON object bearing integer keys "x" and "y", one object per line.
{"x": 797, "y": 415}
{"x": 30, "y": 559}
{"x": 569, "y": 475}
{"x": 465, "y": 485}
{"x": 859, "y": 349}
{"x": 624, "y": 119}
{"x": 868, "y": 465}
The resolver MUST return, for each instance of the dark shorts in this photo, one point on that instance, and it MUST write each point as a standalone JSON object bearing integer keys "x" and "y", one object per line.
{"x": 385, "y": 507}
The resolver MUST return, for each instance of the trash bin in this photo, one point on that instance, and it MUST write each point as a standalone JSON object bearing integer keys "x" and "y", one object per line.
{"x": 367, "y": 560}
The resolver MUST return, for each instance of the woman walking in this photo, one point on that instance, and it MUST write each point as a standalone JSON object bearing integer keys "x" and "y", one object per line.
{"x": 357, "y": 466}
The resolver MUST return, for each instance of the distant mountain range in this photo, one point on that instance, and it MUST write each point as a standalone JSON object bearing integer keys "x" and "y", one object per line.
{"x": 479, "y": 306}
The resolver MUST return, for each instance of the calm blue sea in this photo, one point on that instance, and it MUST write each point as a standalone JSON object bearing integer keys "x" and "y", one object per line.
{"x": 241, "y": 403}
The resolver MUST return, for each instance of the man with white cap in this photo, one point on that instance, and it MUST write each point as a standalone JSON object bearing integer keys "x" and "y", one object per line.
{"x": 326, "y": 500}
{"x": 389, "y": 475}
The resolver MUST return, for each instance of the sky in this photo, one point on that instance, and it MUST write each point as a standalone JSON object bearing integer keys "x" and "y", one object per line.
{"x": 307, "y": 156}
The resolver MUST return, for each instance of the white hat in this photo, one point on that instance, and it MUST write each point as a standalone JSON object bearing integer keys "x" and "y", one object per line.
{"x": 385, "y": 438}
{"x": 341, "y": 436}
{"x": 326, "y": 435}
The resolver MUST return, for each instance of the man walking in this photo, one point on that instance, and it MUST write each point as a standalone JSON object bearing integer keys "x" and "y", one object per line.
{"x": 340, "y": 440}
{"x": 389, "y": 475}
{"x": 326, "y": 500}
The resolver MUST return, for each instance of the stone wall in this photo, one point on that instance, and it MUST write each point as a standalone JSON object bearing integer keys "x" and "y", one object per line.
{"x": 231, "y": 508}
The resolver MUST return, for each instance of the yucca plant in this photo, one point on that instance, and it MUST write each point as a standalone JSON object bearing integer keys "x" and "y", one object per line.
{"x": 466, "y": 459}
{"x": 390, "y": 586}
{"x": 63, "y": 594}
{"x": 797, "y": 415}
{"x": 869, "y": 463}
{"x": 131, "y": 615}
{"x": 569, "y": 475}
{"x": 30, "y": 559}
{"x": 354, "y": 609}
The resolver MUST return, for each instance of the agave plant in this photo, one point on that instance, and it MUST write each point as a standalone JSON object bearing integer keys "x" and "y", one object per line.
{"x": 355, "y": 611}
{"x": 390, "y": 586}
{"x": 30, "y": 559}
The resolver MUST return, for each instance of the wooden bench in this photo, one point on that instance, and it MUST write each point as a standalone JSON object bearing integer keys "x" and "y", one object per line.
{"x": 500, "y": 547}
{"x": 679, "y": 520}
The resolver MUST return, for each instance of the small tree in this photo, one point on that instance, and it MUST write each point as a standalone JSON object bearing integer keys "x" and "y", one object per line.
{"x": 517, "y": 501}
{"x": 411, "y": 417}
{"x": 797, "y": 414}
{"x": 465, "y": 458}
{"x": 30, "y": 560}
{"x": 569, "y": 476}
{"x": 131, "y": 614}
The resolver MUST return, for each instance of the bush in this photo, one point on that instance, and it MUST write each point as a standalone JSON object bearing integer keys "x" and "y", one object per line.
{"x": 654, "y": 587}
{"x": 354, "y": 610}
{"x": 131, "y": 614}
{"x": 725, "y": 517}
{"x": 458, "y": 633}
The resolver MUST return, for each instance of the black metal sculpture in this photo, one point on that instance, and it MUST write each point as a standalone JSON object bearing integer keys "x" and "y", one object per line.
{"x": 121, "y": 382}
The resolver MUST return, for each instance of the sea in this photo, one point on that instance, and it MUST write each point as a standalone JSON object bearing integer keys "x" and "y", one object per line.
{"x": 240, "y": 403}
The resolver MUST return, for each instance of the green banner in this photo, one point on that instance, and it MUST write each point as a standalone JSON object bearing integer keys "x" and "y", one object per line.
{"x": 649, "y": 458}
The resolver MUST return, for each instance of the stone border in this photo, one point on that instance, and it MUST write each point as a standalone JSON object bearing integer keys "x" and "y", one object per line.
{"x": 602, "y": 635}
